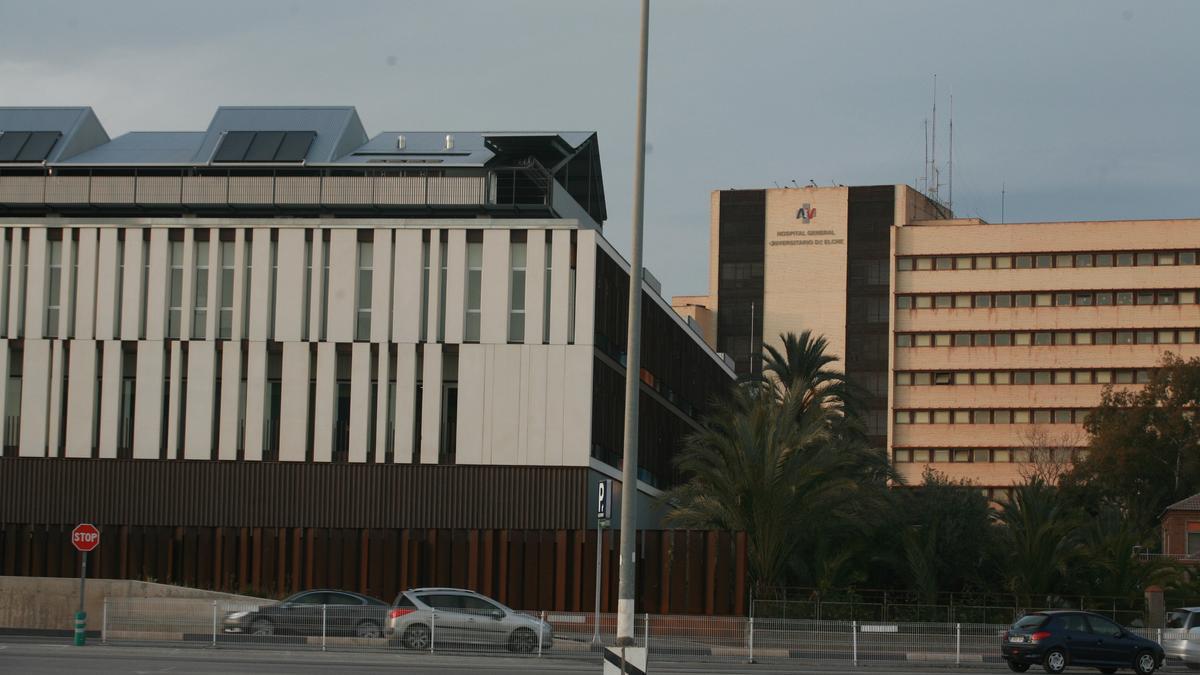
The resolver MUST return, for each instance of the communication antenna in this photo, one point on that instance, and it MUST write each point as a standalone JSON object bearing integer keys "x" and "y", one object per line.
{"x": 933, "y": 144}
{"x": 925, "y": 178}
{"x": 950, "y": 184}
{"x": 1002, "y": 194}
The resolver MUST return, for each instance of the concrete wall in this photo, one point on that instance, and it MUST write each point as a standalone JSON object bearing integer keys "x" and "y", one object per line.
{"x": 46, "y": 603}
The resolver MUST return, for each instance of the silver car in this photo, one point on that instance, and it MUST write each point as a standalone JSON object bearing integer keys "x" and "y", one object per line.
{"x": 425, "y": 618}
{"x": 1181, "y": 636}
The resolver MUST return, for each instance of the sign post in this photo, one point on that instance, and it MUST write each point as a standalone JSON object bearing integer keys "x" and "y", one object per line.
{"x": 603, "y": 518}
{"x": 84, "y": 537}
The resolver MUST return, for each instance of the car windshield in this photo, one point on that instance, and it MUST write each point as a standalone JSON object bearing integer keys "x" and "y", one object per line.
{"x": 1030, "y": 621}
{"x": 1177, "y": 619}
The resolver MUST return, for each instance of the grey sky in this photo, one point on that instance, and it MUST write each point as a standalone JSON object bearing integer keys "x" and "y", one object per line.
{"x": 1086, "y": 109}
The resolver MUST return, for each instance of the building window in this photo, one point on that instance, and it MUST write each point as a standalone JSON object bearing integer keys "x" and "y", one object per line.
{"x": 200, "y": 310}
{"x": 516, "y": 286}
{"x": 423, "y": 320}
{"x": 474, "y": 291}
{"x": 443, "y": 254}
{"x": 546, "y": 293}
{"x": 74, "y": 294}
{"x": 306, "y": 309}
{"x": 53, "y": 287}
{"x": 225, "y": 313}
{"x": 246, "y": 285}
{"x": 120, "y": 283}
{"x": 324, "y": 285}
{"x": 175, "y": 292}
{"x": 144, "y": 295}
{"x": 1193, "y": 538}
{"x": 571, "y": 296}
{"x": 362, "y": 324}
{"x": 271, "y": 285}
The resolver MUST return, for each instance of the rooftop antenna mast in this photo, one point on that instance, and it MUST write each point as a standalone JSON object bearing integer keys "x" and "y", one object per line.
{"x": 950, "y": 184}
{"x": 1003, "y": 190}
{"x": 925, "y": 178}
{"x": 933, "y": 174}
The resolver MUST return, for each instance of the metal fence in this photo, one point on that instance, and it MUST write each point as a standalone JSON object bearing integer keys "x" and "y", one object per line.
{"x": 220, "y": 624}
{"x": 878, "y": 608}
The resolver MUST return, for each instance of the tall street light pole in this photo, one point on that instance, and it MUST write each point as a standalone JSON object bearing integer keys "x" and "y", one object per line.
{"x": 633, "y": 363}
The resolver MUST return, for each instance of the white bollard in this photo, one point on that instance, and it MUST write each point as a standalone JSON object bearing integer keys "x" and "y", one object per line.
{"x": 541, "y": 633}
{"x": 751, "y": 639}
{"x": 104, "y": 624}
{"x": 323, "y": 618}
{"x": 432, "y": 630}
{"x": 854, "y": 641}
{"x": 214, "y": 623}
{"x": 646, "y": 633}
{"x": 958, "y": 644}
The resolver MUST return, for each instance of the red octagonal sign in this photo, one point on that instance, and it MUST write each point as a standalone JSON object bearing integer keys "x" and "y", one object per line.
{"x": 85, "y": 537}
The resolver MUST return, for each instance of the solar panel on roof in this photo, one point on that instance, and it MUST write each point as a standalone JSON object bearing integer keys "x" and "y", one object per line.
{"x": 38, "y": 147}
{"x": 263, "y": 148}
{"x": 295, "y": 146}
{"x": 234, "y": 146}
{"x": 11, "y": 143}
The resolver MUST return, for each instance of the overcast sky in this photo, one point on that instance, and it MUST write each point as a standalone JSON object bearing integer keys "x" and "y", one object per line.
{"x": 1085, "y": 110}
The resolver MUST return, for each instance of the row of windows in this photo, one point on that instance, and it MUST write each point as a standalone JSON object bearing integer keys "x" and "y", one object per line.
{"x": 1168, "y": 336}
{"x": 981, "y": 455}
{"x": 944, "y": 377}
{"x": 1046, "y": 299}
{"x": 1046, "y": 260}
{"x": 999, "y": 416}
{"x": 189, "y": 283}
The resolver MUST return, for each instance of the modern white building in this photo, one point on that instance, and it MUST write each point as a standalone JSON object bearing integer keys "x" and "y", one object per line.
{"x": 280, "y": 287}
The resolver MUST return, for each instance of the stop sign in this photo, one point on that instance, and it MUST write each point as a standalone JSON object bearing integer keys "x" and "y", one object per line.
{"x": 85, "y": 537}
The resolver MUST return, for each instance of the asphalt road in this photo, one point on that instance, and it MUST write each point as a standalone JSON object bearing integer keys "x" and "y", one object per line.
{"x": 45, "y": 657}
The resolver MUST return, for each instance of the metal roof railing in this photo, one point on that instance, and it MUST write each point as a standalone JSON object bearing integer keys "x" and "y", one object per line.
{"x": 232, "y": 190}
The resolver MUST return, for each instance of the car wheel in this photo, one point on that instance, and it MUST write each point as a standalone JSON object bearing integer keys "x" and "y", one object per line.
{"x": 417, "y": 637}
{"x": 522, "y": 641}
{"x": 1017, "y": 667}
{"x": 1055, "y": 660}
{"x": 262, "y": 627}
{"x": 1144, "y": 663}
{"x": 367, "y": 629}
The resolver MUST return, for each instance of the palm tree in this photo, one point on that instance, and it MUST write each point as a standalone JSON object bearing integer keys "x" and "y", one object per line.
{"x": 804, "y": 367}
{"x": 1107, "y": 564}
{"x": 1037, "y": 540}
{"x": 763, "y": 467}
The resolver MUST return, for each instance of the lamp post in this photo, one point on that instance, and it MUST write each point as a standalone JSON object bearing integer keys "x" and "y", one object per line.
{"x": 633, "y": 363}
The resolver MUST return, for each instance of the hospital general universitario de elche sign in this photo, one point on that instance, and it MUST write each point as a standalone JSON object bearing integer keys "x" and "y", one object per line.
{"x": 806, "y": 237}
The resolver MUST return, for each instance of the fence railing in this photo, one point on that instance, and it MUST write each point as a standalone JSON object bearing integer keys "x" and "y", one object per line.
{"x": 556, "y": 634}
{"x": 875, "y": 608}
{"x": 234, "y": 189}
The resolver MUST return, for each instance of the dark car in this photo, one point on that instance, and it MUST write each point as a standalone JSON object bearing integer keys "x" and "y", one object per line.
{"x": 315, "y": 612}
{"x": 1057, "y": 639}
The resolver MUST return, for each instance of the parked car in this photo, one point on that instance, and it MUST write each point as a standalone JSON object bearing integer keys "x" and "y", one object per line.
{"x": 457, "y": 616}
{"x": 315, "y": 612}
{"x": 1057, "y": 639}
{"x": 1181, "y": 636}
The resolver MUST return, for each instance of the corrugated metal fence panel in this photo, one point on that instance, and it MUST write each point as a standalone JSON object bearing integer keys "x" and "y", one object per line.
{"x": 283, "y": 494}
{"x": 279, "y": 561}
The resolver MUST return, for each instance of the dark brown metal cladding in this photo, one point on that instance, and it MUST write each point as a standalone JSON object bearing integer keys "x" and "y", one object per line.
{"x": 283, "y": 494}
{"x": 870, "y": 216}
